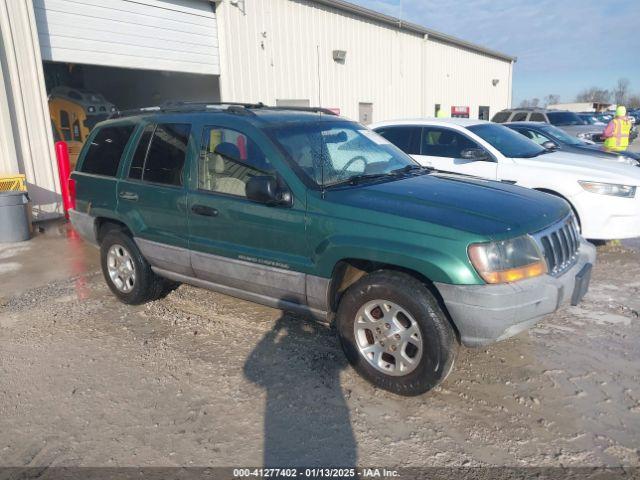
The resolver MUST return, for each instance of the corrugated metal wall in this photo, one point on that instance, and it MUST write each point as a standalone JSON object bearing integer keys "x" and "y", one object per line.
{"x": 282, "y": 49}
{"x": 458, "y": 77}
{"x": 26, "y": 141}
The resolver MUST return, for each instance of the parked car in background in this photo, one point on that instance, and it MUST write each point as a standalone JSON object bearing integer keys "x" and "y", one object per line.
{"x": 568, "y": 121}
{"x": 310, "y": 212}
{"x": 602, "y": 194}
{"x": 552, "y": 138}
{"x": 591, "y": 119}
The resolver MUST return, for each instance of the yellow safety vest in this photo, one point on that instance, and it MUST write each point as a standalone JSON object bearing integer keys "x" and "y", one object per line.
{"x": 619, "y": 141}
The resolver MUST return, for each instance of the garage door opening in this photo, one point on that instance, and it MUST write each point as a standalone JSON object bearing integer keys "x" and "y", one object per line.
{"x": 82, "y": 95}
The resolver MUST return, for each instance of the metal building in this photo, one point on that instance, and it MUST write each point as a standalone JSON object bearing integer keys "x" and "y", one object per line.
{"x": 329, "y": 53}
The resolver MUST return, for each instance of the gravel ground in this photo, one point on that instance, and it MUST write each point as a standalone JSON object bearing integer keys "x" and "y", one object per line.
{"x": 199, "y": 378}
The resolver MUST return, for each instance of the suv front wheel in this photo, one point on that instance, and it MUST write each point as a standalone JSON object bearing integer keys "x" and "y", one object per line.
{"x": 395, "y": 334}
{"x": 127, "y": 272}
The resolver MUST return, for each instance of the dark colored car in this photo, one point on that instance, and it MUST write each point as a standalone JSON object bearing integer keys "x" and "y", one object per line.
{"x": 309, "y": 212}
{"x": 553, "y": 138}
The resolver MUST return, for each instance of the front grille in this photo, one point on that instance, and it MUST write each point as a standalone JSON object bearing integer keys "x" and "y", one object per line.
{"x": 560, "y": 244}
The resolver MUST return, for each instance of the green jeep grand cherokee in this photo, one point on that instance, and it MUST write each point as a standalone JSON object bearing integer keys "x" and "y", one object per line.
{"x": 307, "y": 211}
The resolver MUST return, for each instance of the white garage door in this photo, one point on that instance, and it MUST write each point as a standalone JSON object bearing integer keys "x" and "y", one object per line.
{"x": 173, "y": 35}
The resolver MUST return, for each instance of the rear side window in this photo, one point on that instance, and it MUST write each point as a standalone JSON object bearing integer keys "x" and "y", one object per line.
{"x": 406, "y": 139}
{"x": 167, "y": 153}
{"x": 137, "y": 163}
{"x": 537, "y": 117}
{"x": 519, "y": 117}
{"x": 501, "y": 117}
{"x": 106, "y": 149}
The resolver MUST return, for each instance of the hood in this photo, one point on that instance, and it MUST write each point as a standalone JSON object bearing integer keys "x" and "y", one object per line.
{"x": 483, "y": 207}
{"x": 586, "y": 167}
{"x": 598, "y": 151}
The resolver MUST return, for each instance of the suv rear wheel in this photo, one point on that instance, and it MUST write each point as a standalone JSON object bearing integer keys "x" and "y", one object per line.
{"x": 126, "y": 271}
{"x": 395, "y": 334}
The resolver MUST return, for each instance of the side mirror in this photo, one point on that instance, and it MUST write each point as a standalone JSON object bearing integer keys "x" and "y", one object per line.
{"x": 475, "y": 155}
{"x": 264, "y": 189}
{"x": 228, "y": 150}
{"x": 549, "y": 145}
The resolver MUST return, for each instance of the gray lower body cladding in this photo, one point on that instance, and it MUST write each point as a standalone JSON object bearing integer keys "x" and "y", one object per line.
{"x": 85, "y": 225}
{"x": 275, "y": 287}
{"x": 484, "y": 314}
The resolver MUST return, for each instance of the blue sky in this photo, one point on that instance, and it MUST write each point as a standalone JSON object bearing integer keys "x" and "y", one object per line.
{"x": 563, "y": 46}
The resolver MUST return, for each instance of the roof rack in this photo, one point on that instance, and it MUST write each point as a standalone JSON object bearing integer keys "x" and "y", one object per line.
{"x": 231, "y": 107}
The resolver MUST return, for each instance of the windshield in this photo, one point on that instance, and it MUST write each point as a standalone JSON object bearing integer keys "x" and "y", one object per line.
{"x": 561, "y": 135}
{"x": 564, "y": 118}
{"x": 329, "y": 153}
{"x": 506, "y": 141}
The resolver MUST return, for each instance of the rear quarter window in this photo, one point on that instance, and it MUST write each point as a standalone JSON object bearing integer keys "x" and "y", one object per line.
{"x": 105, "y": 150}
{"x": 501, "y": 117}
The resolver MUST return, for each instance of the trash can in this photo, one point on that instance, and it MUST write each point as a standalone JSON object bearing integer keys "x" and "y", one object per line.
{"x": 15, "y": 218}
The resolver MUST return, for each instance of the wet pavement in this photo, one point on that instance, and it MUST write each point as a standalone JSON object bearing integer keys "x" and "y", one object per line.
{"x": 199, "y": 378}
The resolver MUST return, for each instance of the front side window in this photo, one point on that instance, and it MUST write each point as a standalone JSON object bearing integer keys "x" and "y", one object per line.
{"x": 228, "y": 160}
{"x": 330, "y": 153}
{"x": 167, "y": 154}
{"x": 443, "y": 142}
{"x": 406, "y": 139}
{"x": 535, "y": 136}
{"x": 509, "y": 143}
{"x": 105, "y": 150}
{"x": 561, "y": 135}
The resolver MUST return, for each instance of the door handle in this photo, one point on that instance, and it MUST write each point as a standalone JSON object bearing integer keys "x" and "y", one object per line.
{"x": 204, "y": 211}
{"x": 133, "y": 197}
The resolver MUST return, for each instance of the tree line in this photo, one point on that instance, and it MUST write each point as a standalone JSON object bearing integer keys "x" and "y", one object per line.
{"x": 620, "y": 94}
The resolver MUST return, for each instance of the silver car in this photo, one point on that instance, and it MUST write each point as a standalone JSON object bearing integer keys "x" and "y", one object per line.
{"x": 568, "y": 121}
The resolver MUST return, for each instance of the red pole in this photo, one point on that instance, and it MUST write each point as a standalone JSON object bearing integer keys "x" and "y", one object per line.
{"x": 64, "y": 170}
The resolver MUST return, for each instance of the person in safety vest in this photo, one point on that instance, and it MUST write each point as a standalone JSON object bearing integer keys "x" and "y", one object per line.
{"x": 616, "y": 135}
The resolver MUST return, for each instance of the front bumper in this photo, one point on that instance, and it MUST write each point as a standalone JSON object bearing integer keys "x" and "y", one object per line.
{"x": 484, "y": 314}
{"x": 604, "y": 217}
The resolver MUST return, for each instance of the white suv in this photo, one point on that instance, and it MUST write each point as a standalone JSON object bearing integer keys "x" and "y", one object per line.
{"x": 604, "y": 194}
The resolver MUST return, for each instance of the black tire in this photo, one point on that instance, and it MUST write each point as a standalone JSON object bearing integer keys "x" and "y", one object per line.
{"x": 147, "y": 286}
{"x": 439, "y": 342}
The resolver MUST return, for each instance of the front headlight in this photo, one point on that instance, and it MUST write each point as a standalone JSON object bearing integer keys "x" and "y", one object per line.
{"x": 507, "y": 260}
{"x": 600, "y": 188}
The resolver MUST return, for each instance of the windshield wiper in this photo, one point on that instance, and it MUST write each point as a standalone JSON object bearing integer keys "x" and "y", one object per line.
{"x": 412, "y": 168}
{"x": 356, "y": 179}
